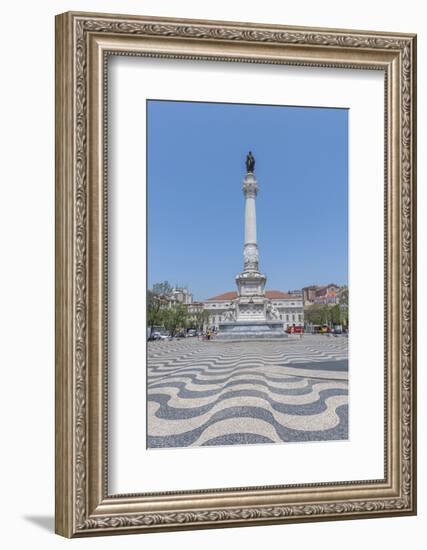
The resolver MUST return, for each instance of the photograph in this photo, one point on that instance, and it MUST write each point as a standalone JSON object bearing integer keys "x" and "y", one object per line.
{"x": 247, "y": 274}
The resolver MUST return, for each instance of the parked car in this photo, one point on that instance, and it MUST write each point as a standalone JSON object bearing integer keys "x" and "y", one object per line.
{"x": 321, "y": 329}
{"x": 159, "y": 335}
{"x": 192, "y": 332}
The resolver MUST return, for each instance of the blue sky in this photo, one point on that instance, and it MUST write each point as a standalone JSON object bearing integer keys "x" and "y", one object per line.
{"x": 196, "y": 164}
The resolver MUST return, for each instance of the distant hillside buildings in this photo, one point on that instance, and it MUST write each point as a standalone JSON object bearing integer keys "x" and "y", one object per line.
{"x": 326, "y": 294}
{"x": 180, "y": 296}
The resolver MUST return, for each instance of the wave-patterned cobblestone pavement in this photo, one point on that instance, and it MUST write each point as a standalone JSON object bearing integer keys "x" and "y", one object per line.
{"x": 226, "y": 393}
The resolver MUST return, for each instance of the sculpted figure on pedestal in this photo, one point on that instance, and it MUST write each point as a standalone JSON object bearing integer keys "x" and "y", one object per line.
{"x": 250, "y": 162}
{"x": 229, "y": 316}
{"x": 272, "y": 312}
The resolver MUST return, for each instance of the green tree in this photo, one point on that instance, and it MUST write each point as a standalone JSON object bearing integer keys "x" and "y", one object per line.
{"x": 155, "y": 305}
{"x": 162, "y": 289}
{"x": 343, "y": 296}
{"x": 322, "y": 314}
{"x": 157, "y": 301}
{"x": 315, "y": 314}
{"x": 326, "y": 314}
{"x": 175, "y": 318}
{"x": 343, "y": 303}
{"x": 200, "y": 319}
{"x": 336, "y": 314}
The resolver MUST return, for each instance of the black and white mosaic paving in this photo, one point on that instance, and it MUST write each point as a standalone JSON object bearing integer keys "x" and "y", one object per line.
{"x": 203, "y": 393}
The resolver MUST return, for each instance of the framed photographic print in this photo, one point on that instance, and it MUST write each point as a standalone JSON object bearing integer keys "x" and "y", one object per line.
{"x": 235, "y": 274}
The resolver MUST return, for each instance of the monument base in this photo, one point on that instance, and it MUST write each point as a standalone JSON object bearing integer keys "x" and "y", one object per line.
{"x": 251, "y": 330}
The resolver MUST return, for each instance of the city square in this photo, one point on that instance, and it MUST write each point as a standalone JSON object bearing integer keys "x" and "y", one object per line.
{"x": 258, "y": 364}
{"x": 203, "y": 393}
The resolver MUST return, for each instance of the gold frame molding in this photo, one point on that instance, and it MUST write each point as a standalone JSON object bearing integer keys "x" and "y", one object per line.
{"x": 83, "y": 43}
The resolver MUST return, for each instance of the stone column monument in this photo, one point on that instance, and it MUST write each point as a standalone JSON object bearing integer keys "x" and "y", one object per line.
{"x": 254, "y": 315}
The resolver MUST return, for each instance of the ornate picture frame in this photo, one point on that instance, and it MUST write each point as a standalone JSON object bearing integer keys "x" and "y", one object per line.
{"x": 84, "y": 42}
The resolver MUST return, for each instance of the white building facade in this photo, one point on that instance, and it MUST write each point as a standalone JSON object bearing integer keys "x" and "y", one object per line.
{"x": 289, "y": 307}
